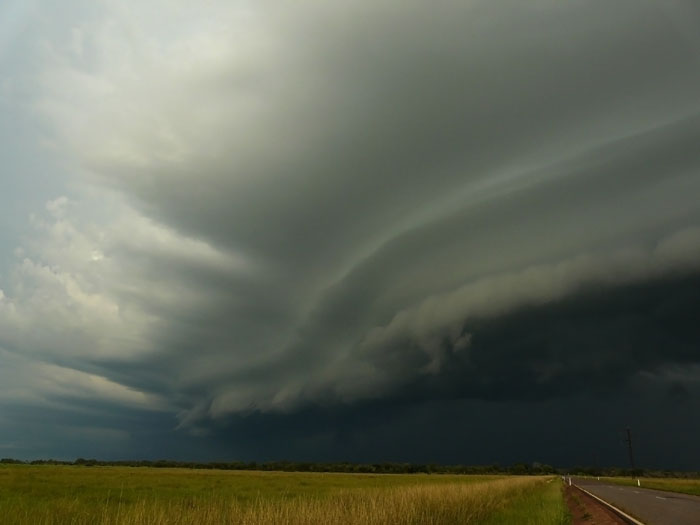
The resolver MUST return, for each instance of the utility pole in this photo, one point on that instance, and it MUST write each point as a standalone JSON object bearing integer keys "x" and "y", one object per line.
{"x": 629, "y": 446}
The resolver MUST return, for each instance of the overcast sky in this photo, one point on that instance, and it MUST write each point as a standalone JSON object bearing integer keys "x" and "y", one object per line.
{"x": 461, "y": 232}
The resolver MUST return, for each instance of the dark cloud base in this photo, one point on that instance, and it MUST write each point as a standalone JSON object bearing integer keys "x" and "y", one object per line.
{"x": 556, "y": 383}
{"x": 592, "y": 343}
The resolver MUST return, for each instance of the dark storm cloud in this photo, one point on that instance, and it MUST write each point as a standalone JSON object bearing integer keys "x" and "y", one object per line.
{"x": 363, "y": 319}
{"x": 362, "y": 209}
{"x": 595, "y": 342}
{"x": 402, "y": 106}
{"x": 440, "y": 146}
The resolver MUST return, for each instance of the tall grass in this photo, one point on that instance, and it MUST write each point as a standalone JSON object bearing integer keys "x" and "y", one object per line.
{"x": 432, "y": 501}
{"x": 540, "y": 504}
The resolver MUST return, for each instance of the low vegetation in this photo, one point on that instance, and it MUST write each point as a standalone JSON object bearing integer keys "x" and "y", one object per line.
{"x": 52, "y": 495}
{"x": 685, "y": 486}
{"x": 300, "y": 466}
{"x": 617, "y": 472}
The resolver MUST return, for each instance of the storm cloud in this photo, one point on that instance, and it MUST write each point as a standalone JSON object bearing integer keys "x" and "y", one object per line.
{"x": 262, "y": 216}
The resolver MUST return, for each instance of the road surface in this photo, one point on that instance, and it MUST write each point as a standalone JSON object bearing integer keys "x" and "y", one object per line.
{"x": 652, "y": 507}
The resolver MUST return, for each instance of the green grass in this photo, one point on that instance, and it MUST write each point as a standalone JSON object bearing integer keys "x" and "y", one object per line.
{"x": 51, "y": 483}
{"x": 52, "y": 495}
{"x": 542, "y": 504}
{"x": 684, "y": 486}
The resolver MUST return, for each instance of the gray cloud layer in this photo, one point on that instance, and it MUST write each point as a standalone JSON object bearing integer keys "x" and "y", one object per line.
{"x": 279, "y": 207}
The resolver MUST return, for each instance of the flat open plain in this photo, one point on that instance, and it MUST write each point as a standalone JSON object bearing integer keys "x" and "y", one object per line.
{"x": 56, "y": 495}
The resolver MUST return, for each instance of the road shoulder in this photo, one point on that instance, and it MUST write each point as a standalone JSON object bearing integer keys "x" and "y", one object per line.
{"x": 585, "y": 510}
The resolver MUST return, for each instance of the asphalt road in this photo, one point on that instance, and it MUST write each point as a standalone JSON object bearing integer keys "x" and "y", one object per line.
{"x": 652, "y": 507}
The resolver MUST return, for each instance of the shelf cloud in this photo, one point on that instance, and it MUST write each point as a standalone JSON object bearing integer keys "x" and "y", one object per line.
{"x": 258, "y": 216}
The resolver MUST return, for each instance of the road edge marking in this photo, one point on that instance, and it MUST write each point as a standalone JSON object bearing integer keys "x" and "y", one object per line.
{"x": 612, "y": 507}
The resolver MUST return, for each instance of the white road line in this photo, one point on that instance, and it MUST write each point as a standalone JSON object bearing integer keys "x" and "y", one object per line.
{"x": 659, "y": 497}
{"x": 613, "y": 507}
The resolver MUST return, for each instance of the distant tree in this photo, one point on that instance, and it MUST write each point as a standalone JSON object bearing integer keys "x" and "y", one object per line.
{"x": 11, "y": 461}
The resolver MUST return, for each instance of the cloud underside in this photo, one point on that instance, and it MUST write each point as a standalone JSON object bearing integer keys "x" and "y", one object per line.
{"x": 333, "y": 207}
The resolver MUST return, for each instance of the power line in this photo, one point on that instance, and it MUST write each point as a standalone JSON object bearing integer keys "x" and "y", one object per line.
{"x": 629, "y": 447}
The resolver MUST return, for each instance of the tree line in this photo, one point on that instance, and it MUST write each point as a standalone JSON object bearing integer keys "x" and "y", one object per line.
{"x": 303, "y": 466}
{"x": 369, "y": 468}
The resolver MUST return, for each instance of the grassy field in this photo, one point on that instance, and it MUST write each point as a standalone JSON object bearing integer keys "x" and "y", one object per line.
{"x": 685, "y": 486}
{"x": 50, "y": 495}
